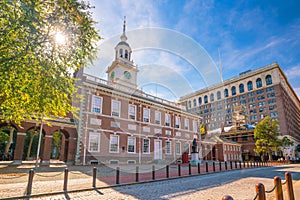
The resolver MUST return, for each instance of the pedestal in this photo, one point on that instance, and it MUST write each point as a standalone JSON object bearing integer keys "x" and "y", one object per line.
{"x": 195, "y": 158}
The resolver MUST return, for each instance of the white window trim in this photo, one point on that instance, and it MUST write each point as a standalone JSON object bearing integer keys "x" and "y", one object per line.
{"x": 92, "y": 105}
{"x": 169, "y": 119}
{"x": 147, "y": 116}
{"x": 93, "y": 134}
{"x": 177, "y": 122}
{"x": 134, "y": 149}
{"x": 186, "y": 124}
{"x": 110, "y": 144}
{"x": 168, "y": 153}
{"x": 112, "y": 103}
{"x": 188, "y": 144}
{"x": 157, "y": 121}
{"x": 148, "y": 146}
{"x": 134, "y": 111}
{"x": 178, "y": 153}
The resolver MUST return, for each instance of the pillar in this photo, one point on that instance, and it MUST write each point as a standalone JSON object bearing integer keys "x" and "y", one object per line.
{"x": 46, "y": 153}
{"x": 71, "y": 149}
{"x": 19, "y": 148}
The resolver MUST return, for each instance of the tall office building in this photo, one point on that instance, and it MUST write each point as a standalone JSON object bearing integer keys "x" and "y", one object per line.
{"x": 261, "y": 92}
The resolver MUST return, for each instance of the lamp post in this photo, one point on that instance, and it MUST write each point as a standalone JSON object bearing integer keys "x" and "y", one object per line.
{"x": 39, "y": 145}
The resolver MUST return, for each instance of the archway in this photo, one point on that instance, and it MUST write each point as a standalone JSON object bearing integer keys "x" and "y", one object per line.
{"x": 8, "y": 137}
{"x": 31, "y": 144}
{"x": 56, "y": 147}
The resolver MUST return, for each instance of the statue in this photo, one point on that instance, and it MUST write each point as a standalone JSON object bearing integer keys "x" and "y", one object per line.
{"x": 194, "y": 147}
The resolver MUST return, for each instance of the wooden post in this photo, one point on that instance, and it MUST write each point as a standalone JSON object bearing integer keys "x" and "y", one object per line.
{"x": 29, "y": 184}
{"x": 289, "y": 186}
{"x": 66, "y": 179}
{"x": 278, "y": 188}
{"x": 260, "y": 190}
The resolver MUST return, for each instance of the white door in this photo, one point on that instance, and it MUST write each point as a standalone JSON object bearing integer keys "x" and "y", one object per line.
{"x": 157, "y": 149}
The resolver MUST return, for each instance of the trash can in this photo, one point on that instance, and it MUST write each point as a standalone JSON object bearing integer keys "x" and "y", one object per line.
{"x": 185, "y": 158}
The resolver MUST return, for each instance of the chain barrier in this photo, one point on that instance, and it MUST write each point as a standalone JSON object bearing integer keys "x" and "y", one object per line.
{"x": 77, "y": 173}
{"x": 14, "y": 177}
{"x": 47, "y": 176}
{"x": 256, "y": 196}
{"x": 284, "y": 182}
{"x": 272, "y": 190}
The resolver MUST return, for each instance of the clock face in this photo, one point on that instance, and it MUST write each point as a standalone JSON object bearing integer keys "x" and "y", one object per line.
{"x": 127, "y": 74}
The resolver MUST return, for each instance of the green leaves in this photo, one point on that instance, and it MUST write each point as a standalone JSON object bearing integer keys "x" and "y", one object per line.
{"x": 35, "y": 71}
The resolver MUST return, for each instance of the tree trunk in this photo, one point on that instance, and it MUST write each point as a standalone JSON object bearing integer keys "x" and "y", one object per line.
{"x": 30, "y": 145}
{"x": 11, "y": 134}
{"x": 270, "y": 154}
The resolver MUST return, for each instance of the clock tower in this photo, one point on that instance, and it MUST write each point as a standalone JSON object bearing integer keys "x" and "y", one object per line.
{"x": 123, "y": 71}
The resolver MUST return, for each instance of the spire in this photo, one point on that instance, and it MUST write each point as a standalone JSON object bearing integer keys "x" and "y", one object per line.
{"x": 123, "y": 36}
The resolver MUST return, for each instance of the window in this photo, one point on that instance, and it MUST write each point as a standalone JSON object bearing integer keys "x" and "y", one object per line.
{"x": 200, "y": 100}
{"x": 250, "y": 86}
{"x": 226, "y": 93}
{"x": 186, "y": 124}
{"x": 205, "y": 99}
{"x": 186, "y": 148}
{"x": 195, "y": 102}
{"x": 195, "y": 126}
{"x": 114, "y": 144}
{"x": 115, "y": 108}
{"x": 96, "y": 104}
{"x": 157, "y": 117}
{"x": 177, "y": 122}
{"x": 168, "y": 132}
{"x": 131, "y": 145}
{"x": 212, "y": 97}
{"x": 268, "y": 80}
{"x": 241, "y": 87}
{"x": 190, "y": 104}
{"x": 218, "y": 95}
{"x": 132, "y": 111}
{"x": 233, "y": 90}
{"x": 146, "y": 115}
{"x": 168, "y": 147}
{"x": 121, "y": 53}
{"x": 167, "y": 119}
{"x": 178, "y": 148}
{"x": 258, "y": 83}
{"x": 126, "y": 54}
{"x": 94, "y": 142}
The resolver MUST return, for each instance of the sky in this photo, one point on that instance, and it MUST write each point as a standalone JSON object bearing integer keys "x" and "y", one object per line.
{"x": 184, "y": 46}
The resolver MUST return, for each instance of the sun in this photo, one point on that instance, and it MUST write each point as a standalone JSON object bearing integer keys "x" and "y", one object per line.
{"x": 60, "y": 38}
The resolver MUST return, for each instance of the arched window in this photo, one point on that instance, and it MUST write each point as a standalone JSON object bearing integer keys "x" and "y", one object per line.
{"x": 212, "y": 97}
{"x": 205, "y": 99}
{"x": 121, "y": 53}
{"x": 258, "y": 83}
{"x": 194, "y": 102}
{"x": 268, "y": 80}
{"x": 241, "y": 87}
{"x": 226, "y": 92}
{"x": 250, "y": 86}
{"x": 126, "y": 54}
{"x": 219, "y": 95}
{"x": 233, "y": 90}
{"x": 190, "y": 104}
{"x": 200, "y": 100}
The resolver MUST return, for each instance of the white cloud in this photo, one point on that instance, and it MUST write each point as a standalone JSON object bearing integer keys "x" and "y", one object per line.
{"x": 293, "y": 72}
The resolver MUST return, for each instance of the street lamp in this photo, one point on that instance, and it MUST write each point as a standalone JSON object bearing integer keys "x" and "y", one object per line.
{"x": 59, "y": 39}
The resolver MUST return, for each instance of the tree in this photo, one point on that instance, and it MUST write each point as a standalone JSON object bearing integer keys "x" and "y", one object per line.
{"x": 37, "y": 63}
{"x": 266, "y": 134}
{"x": 36, "y": 72}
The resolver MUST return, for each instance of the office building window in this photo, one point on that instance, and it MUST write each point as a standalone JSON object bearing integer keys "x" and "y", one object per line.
{"x": 205, "y": 99}
{"x": 168, "y": 147}
{"x": 132, "y": 111}
{"x": 114, "y": 144}
{"x": 131, "y": 145}
{"x": 177, "y": 122}
{"x": 218, "y": 95}
{"x": 115, "y": 108}
{"x": 167, "y": 119}
{"x": 258, "y": 83}
{"x": 241, "y": 87}
{"x": 200, "y": 100}
{"x": 190, "y": 104}
{"x": 186, "y": 147}
{"x": 250, "y": 85}
{"x": 96, "y": 104}
{"x": 186, "y": 124}
{"x": 233, "y": 90}
{"x": 195, "y": 102}
{"x": 146, "y": 115}
{"x": 178, "y": 148}
{"x": 226, "y": 93}
{"x": 268, "y": 80}
{"x": 212, "y": 97}
{"x": 146, "y": 146}
{"x": 157, "y": 117}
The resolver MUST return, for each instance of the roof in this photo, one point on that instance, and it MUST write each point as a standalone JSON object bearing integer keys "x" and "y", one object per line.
{"x": 123, "y": 43}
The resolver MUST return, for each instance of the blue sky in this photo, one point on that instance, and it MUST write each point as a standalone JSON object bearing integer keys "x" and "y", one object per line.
{"x": 248, "y": 35}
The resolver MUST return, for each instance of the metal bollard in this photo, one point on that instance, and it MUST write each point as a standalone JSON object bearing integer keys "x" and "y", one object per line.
{"x": 235, "y": 163}
{"x": 66, "y": 179}
{"x": 289, "y": 186}
{"x": 199, "y": 172}
{"x": 94, "y": 176}
{"x": 260, "y": 191}
{"x": 227, "y": 197}
{"x": 29, "y": 184}
{"x": 220, "y": 166}
{"x": 179, "y": 170}
{"x": 118, "y": 175}
{"x": 137, "y": 174}
{"x": 214, "y": 167}
{"x": 190, "y": 169}
{"x": 278, "y": 188}
{"x": 244, "y": 164}
{"x": 240, "y": 164}
{"x": 153, "y": 172}
{"x": 225, "y": 165}
{"x": 230, "y": 164}
{"x": 167, "y": 171}
{"x": 206, "y": 164}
